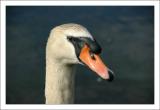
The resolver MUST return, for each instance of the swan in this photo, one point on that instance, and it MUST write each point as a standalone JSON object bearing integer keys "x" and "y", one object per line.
{"x": 68, "y": 45}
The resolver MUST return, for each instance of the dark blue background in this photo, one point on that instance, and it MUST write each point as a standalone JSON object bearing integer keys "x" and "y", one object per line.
{"x": 126, "y": 35}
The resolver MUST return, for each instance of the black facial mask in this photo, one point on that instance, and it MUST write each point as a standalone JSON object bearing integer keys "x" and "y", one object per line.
{"x": 79, "y": 42}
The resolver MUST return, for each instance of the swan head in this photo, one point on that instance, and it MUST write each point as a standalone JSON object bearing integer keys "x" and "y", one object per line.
{"x": 73, "y": 44}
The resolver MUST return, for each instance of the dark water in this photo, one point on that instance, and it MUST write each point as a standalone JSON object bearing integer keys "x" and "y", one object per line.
{"x": 126, "y": 35}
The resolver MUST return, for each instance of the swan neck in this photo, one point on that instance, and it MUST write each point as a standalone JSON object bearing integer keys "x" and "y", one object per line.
{"x": 59, "y": 86}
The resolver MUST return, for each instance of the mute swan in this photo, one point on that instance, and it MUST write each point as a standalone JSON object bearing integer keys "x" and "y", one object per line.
{"x": 67, "y": 45}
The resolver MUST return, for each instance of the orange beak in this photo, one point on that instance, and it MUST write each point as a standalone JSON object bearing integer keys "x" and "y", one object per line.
{"x": 94, "y": 62}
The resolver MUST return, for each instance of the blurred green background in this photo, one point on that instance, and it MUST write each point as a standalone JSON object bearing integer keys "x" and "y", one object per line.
{"x": 125, "y": 33}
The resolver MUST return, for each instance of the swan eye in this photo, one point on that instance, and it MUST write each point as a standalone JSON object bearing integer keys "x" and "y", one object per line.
{"x": 92, "y": 55}
{"x": 69, "y": 38}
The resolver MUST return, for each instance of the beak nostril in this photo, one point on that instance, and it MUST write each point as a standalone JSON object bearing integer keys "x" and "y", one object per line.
{"x": 92, "y": 55}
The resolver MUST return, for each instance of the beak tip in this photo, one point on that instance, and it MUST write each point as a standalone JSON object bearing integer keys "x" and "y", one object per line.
{"x": 111, "y": 77}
